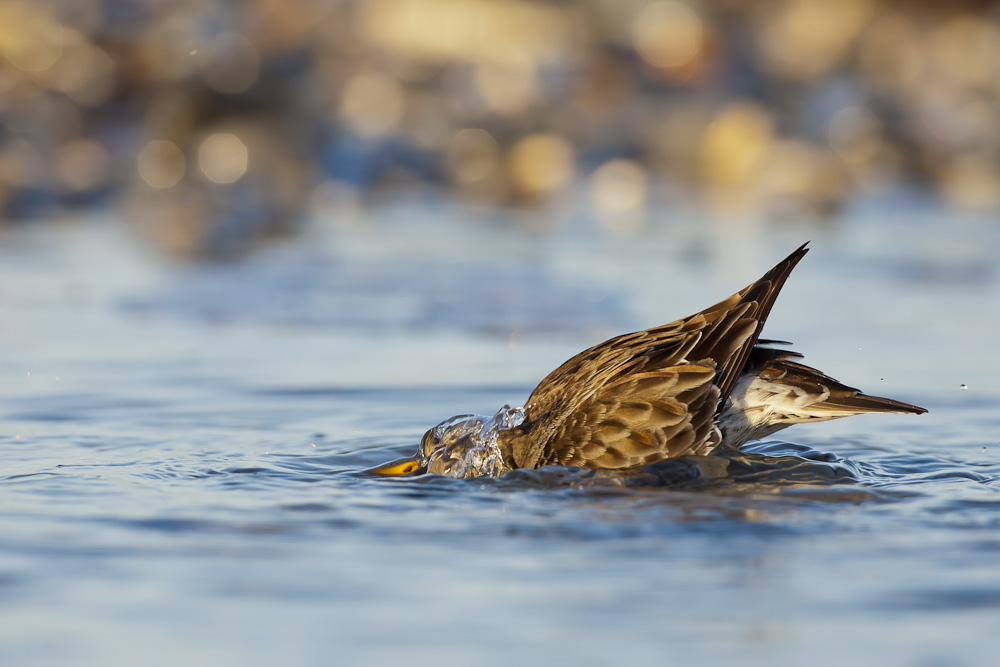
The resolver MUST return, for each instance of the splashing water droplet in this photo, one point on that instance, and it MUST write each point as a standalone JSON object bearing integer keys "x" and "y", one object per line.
{"x": 472, "y": 442}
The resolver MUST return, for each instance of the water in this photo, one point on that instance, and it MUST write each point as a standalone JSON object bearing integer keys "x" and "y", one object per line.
{"x": 182, "y": 450}
{"x": 465, "y": 446}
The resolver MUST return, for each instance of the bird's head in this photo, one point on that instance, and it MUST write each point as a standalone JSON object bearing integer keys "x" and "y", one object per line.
{"x": 463, "y": 446}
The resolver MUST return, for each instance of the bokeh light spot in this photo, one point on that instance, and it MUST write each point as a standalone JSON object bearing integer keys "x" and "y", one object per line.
{"x": 30, "y": 39}
{"x": 618, "y": 192}
{"x": 160, "y": 164}
{"x": 618, "y": 186}
{"x": 808, "y": 37}
{"x": 507, "y": 89}
{"x": 667, "y": 34}
{"x": 504, "y": 32}
{"x": 372, "y": 104}
{"x": 541, "y": 163}
{"x": 735, "y": 145}
{"x": 223, "y": 157}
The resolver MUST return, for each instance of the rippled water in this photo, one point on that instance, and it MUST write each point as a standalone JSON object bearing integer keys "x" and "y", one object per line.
{"x": 183, "y": 451}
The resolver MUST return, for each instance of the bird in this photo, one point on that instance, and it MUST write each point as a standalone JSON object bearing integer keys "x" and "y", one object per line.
{"x": 676, "y": 390}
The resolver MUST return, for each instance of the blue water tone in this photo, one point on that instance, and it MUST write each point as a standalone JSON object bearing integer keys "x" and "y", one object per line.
{"x": 184, "y": 450}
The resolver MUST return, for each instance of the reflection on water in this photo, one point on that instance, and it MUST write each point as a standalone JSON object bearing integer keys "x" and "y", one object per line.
{"x": 176, "y": 485}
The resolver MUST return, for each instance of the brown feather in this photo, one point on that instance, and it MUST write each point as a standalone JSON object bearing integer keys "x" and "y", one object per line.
{"x": 646, "y": 396}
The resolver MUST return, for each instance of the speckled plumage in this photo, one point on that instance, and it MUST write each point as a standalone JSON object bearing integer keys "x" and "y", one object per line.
{"x": 674, "y": 390}
{"x": 646, "y": 396}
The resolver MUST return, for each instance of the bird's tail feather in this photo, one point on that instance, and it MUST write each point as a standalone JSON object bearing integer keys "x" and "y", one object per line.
{"x": 840, "y": 400}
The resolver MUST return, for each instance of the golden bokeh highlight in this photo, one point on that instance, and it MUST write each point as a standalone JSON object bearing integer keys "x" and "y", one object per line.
{"x": 618, "y": 190}
{"x": 160, "y": 164}
{"x": 372, "y": 104}
{"x": 30, "y": 38}
{"x": 809, "y": 37}
{"x": 735, "y": 145}
{"x": 668, "y": 34}
{"x": 507, "y": 89}
{"x": 223, "y": 158}
{"x": 540, "y": 164}
{"x": 497, "y": 31}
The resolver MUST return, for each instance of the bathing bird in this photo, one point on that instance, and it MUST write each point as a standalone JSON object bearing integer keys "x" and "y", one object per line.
{"x": 675, "y": 390}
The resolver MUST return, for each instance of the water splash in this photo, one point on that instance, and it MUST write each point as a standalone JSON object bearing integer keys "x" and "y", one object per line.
{"x": 467, "y": 445}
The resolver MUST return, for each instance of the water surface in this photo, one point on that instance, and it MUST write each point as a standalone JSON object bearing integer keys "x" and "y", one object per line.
{"x": 183, "y": 448}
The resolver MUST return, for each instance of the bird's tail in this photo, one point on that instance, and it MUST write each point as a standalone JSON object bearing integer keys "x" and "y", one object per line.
{"x": 776, "y": 391}
{"x": 838, "y": 400}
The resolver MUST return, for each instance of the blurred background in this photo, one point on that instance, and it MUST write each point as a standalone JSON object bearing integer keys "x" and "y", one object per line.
{"x": 215, "y": 126}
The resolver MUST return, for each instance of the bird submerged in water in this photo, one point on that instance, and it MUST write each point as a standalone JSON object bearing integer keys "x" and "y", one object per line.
{"x": 679, "y": 389}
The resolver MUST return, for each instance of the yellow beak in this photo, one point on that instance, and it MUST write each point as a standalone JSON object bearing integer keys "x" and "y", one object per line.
{"x": 396, "y": 468}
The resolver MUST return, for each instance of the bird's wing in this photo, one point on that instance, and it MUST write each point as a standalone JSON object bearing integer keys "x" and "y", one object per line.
{"x": 759, "y": 297}
{"x": 646, "y": 396}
